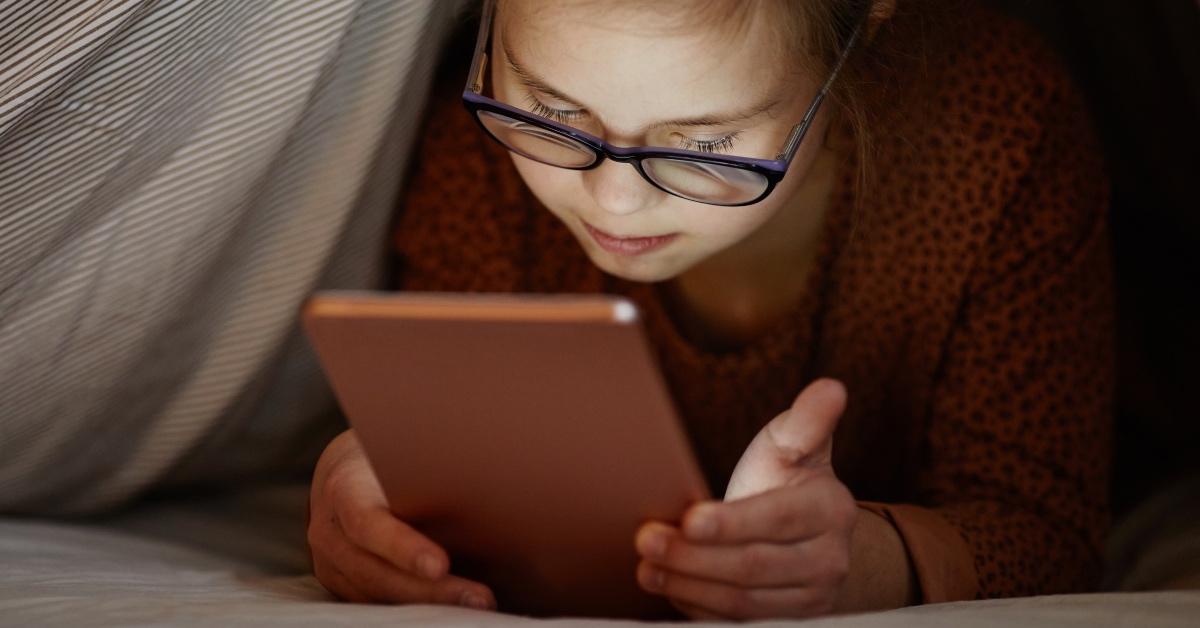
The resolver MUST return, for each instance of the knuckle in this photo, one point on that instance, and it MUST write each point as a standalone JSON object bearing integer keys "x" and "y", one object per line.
{"x": 793, "y": 522}
{"x": 842, "y": 507}
{"x": 354, "y": 523}
{"x": 332, "y": 488}
{"x": 848, "y": 511}
{"x": 839, "y": 567}
{"x": 834, "y": 561}
{"x": 320, "y": 534}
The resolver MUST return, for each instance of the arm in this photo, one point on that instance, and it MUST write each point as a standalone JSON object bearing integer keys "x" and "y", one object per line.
{"x": 1020, "y": 426}
{"x": 881, "y": 576}
{"x": 1014, "y": 481}
{"x": 1010, "y": 498}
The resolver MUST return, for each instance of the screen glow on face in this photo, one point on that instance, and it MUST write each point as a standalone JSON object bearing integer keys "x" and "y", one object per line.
{"x": 568, "y": 66}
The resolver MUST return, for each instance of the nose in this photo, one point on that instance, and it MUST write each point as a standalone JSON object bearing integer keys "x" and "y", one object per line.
{"x": 618, "y": 188}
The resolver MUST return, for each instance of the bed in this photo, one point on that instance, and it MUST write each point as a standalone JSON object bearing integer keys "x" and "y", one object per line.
{"x": 239, "y": 559}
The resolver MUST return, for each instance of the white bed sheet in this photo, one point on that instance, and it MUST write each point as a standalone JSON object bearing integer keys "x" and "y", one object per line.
{"x": 239, "y": 560}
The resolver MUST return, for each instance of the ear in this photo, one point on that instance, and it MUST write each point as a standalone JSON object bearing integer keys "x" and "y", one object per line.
{"x": 881, "y": 12}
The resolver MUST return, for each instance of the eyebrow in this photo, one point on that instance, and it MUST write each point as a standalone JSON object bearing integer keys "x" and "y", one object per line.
{"x": 533, "y": 81}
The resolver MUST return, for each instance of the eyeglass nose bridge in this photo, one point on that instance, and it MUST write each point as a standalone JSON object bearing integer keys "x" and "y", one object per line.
{"x": 618, "y": 154}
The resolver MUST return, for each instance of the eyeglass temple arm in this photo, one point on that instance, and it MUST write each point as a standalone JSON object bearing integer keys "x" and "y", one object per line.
{"x": 798, "y": 131}
{"x": 479, "y": 59}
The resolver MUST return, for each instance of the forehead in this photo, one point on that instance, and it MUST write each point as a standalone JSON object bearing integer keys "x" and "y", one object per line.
{"x": 630, "y": 62}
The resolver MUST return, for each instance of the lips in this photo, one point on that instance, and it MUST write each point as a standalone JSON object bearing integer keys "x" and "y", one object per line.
{"x": 628, "y": 246}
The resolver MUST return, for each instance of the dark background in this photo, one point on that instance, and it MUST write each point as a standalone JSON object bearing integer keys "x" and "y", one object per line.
{"x": 1138, "y": 62}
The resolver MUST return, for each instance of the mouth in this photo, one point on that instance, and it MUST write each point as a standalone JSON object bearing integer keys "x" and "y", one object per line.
{"x": 620, "y": 245}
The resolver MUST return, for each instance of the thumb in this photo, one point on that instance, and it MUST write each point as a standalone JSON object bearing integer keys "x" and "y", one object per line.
{"x": 804, "y": 434}
{"x": 800, "y": 437}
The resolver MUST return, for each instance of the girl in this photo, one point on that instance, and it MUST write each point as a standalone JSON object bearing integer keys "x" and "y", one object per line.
{"x": 805, "y": 198}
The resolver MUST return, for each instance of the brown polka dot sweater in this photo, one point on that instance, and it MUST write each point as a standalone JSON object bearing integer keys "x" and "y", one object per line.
{"x": 968, "y": 313}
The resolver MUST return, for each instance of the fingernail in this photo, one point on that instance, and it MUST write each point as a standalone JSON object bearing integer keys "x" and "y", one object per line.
{"x": 654, "y": 545}
{"x": 654, "y": 579}
{"x": 471, "y": 600}
{"x": 429, "y": 567}
{"x": 702, "y": 525}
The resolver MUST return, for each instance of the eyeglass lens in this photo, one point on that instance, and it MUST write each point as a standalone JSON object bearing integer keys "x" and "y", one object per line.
{"x": 537, "y": 143}
{"x": 694, "y": 180}
{"x": 705, "y": 182}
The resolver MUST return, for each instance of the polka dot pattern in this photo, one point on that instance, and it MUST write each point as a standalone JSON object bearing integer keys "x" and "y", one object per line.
{"x": 965, "y": 300}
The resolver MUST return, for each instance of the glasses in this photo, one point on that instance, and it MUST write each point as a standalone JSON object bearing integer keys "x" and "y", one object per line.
{"x": 696, "y": 176}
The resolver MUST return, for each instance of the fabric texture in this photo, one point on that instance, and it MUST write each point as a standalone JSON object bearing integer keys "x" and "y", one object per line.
{"x": 965, "y": 301}
{"x": 175, "y": 177}
{"x": 239, "y": 560}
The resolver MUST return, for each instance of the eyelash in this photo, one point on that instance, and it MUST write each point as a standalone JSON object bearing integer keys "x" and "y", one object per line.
{"x": 565, "y": 116}
{"x": 709, "y": 146}
{"x": 559, "y": 115}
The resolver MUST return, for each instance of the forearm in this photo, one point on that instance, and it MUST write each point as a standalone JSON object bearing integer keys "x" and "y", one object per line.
{"x": 881, "y": 575}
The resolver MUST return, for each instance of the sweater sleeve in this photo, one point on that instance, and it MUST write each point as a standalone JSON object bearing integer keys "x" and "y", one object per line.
{"x": 1013, "y": 486}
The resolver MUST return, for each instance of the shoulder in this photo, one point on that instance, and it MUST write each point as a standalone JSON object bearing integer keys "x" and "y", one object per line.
{"x": 1000, "y": 100}
{"x": 998, "y": 149}
{"x": 995, "y": 169}
{"x": 1026, "y": 134}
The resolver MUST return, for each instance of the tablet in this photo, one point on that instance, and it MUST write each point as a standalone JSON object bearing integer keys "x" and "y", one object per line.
{"x": 530, "y": 435}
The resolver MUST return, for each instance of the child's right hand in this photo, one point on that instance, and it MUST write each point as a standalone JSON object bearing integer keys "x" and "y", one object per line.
{"x": 362, "y": 553}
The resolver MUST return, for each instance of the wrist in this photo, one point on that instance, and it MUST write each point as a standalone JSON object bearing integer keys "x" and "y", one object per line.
{"x": 881, "y": 574}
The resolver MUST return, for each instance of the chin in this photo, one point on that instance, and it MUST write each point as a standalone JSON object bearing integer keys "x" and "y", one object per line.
{"x": 639, "y": 270}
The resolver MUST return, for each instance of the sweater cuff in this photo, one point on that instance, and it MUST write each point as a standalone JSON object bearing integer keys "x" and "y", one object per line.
{"x": 944, "y": 564}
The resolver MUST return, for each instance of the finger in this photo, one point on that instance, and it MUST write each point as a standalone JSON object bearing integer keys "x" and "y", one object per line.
{"x": 806, "y": 429}
{"x": 800, "y": 437}
{"x": 337, "y": 584}
{"x": 379, "y": 581}
{"x": 783, "y": 515}
{"x": 747, "y": 565}
{"x": 363, "y": 516}
{"x": 734, "y": 602}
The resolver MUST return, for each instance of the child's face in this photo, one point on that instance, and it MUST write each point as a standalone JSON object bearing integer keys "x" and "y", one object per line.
{"x": 627, "y": 69}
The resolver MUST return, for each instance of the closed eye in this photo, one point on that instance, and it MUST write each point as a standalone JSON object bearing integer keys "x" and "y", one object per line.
{"x": 720, "y": 145}
{"x": 565, "y": 116}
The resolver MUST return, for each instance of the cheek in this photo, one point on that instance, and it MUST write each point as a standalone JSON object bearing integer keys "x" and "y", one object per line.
{"x": 729, "y": 225}
{"x": 552, "y": 186}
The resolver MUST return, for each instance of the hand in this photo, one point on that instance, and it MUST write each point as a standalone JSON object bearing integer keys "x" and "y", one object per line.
{"x": 779, "y": 545}
{"x": 363, "y": 553}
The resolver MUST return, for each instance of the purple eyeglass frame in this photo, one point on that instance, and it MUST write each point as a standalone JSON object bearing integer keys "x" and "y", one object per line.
{"x": 772, "y": 170}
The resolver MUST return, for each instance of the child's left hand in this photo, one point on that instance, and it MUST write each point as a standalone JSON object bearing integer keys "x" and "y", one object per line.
{"x": 779, "y": 545}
